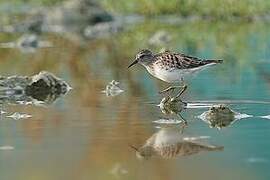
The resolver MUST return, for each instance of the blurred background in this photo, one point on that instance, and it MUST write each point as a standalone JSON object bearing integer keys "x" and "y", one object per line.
{"x": 86, "y": 134}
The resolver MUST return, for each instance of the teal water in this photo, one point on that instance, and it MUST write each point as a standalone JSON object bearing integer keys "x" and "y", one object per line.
{"x": 87, "y": 135}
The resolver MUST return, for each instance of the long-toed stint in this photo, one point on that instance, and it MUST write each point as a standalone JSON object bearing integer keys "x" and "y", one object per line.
{"x": 171, "y": 67}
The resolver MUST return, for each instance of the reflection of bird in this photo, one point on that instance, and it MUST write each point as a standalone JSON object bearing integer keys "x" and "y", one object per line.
{"x": 169, "y": 66}
{"x": 169, "y": 142}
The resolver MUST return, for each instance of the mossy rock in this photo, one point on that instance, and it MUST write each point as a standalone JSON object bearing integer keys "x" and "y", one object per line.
{"x": 220, "y": 116}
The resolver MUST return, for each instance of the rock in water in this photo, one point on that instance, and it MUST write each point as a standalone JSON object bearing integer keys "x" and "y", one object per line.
{"x": 219, "y": 116}
{"x": 46, "y": 86}
{"x": 113, "y": 89}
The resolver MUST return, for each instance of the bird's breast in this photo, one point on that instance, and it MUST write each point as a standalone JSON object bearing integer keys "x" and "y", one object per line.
{"x": 151, "y": 70}
{"x": 170, "y": 75}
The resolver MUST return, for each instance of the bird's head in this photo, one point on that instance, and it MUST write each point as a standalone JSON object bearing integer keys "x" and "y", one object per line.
{"x": 143, "y": 57}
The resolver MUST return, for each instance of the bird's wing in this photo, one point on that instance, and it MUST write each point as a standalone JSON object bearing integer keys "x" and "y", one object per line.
{"x": 182, "y": 61}
{"x": 185, "y": 62}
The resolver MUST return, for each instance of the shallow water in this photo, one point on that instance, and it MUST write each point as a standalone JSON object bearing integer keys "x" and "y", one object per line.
{"x": 87, "y": 135}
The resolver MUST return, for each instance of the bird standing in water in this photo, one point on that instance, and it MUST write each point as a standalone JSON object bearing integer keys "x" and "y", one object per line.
{"x": 171, "y": 67}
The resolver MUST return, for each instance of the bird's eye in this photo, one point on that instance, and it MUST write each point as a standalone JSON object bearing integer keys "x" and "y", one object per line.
{"x": 142, "y": 56}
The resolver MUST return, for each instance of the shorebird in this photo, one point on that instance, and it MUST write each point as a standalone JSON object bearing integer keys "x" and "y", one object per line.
{"x": 171, "y": 67}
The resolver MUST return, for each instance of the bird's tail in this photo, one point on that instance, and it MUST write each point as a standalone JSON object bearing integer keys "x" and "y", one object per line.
{"x": 217, "y": 61}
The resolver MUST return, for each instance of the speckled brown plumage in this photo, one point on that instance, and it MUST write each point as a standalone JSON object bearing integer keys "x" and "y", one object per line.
{"x": 169, "y": 60}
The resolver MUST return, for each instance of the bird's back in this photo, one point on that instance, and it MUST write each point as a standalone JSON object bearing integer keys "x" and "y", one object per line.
{"x": 169, "y": 60}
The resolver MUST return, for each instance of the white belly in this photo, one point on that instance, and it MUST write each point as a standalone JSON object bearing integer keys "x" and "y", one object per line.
{"x": 170, "y": 77}
{"x": 173, "y": 75}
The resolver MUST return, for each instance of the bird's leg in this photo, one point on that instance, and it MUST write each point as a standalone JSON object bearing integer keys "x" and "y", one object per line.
{"x": 184, "y": 88}
{"x": 177, "y": 97}
{"x": 170, "y": 88}
{"x": 184, "y": 125}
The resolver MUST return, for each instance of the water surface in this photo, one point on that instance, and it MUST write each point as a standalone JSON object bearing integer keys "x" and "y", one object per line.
{"x": 87, "y": 135}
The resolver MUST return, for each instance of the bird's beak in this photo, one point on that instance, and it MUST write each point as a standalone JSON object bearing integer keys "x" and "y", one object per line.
{"x": 133, "y": 147}
{"x": 133, "y": 63}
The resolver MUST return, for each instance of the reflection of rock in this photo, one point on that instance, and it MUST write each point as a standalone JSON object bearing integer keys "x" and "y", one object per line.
{"x": 169, "y": 143}
{"x": 43, "y": 87}
{"x": 18, "y": 116}
{"x": 118, "y": 170}
{"x": 113, "y": 89}
{"x": 2, "y": 112}
{"x": 221, "y": 116}
{"x": 265, "y": 117}
{"x": 7, "y": 147}
{"x": 28, "y": 43}
{"x": 102, "y": 30}
{"x": 170, "y": 105}
{"x": 257, "y": 160}
{"x": 160, "y": 38}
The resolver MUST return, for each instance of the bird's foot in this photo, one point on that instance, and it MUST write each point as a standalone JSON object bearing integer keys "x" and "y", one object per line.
{"x": 184, "y": 125}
